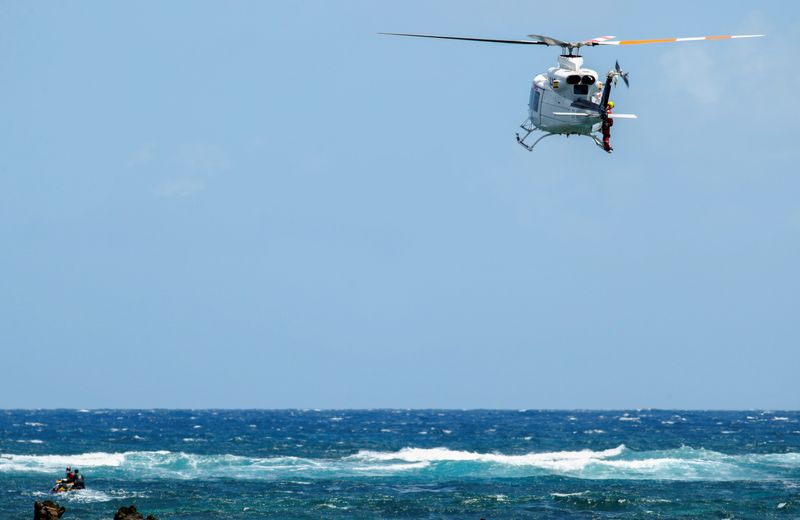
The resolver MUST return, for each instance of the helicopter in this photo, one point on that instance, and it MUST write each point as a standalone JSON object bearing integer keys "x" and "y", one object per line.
{"x": 569, "y": 99}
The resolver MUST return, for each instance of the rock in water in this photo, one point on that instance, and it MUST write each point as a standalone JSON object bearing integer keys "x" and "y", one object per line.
{"x": 130, "y": 513}
{"x": 47, "y": 510}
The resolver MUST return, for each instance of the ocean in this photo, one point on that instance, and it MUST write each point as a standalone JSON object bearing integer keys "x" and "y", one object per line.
{"x": 492, "y": 464}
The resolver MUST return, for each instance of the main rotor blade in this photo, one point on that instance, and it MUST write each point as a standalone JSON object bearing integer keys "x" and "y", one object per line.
{"x": 598, "y": 39}
{"x": 671, "y": 40}
{"x": 548, "y": 40}
{"x": 521, "y": 42}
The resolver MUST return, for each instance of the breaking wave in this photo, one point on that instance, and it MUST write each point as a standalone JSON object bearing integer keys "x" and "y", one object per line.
{"x": 88, "y": 496}
{"x": 616, "y": 463}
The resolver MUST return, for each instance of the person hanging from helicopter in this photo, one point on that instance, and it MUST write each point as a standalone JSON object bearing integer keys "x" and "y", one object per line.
{"x": 606, "y": 127}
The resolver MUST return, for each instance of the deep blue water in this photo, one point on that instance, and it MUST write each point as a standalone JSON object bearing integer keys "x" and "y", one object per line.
{"x": 405, "y": 463}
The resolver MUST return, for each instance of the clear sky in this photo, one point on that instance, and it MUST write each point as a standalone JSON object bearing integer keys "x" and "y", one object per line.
{"x": 266, "y": 204}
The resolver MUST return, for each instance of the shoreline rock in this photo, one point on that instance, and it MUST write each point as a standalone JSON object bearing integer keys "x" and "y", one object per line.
{"x": 47, "y": 510}
{"x": 130, "y": 513}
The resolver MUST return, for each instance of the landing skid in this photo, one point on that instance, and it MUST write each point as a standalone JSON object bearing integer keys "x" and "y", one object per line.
{"x": 599, "y": 143}
{"x": 529, "y": 128}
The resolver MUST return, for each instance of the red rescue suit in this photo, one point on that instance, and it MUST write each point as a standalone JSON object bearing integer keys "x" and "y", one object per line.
{"x": 606, "y": 128}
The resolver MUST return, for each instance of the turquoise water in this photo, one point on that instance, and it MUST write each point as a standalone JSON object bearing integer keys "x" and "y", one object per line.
{"x": 406, "y": 463}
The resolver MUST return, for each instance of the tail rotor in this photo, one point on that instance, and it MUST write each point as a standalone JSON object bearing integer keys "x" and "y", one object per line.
{"x": 611, "y": 79}
{"x": 622, "y": 74}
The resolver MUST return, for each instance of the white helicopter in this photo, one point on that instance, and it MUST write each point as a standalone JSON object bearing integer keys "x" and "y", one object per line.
{"x": 569, "y": 99}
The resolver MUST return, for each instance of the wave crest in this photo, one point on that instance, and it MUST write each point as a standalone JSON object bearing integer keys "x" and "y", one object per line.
{"x": 615, "y": 463}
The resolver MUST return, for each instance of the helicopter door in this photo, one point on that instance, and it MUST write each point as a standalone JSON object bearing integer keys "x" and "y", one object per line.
{"x": 535, "y": 105}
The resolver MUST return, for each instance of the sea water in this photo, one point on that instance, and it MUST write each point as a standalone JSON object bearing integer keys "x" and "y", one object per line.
{"x": 248, "y": 464}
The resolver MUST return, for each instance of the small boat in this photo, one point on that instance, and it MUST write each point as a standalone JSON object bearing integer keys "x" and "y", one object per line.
{"x": 63, "y": 486}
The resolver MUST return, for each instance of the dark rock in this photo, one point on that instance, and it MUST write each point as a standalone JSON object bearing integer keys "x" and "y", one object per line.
{"x": 47, "y": 510}
{"x": 130, "y": 513}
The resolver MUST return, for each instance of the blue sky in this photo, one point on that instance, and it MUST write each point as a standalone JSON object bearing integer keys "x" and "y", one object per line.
{"x": 266, "y": 204}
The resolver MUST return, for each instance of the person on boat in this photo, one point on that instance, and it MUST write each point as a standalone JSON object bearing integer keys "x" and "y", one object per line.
{"x": 70, "y": 475}
{"x": 78, "y": 483}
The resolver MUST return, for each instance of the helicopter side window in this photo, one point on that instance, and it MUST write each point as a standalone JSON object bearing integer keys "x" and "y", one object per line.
{"x": 581, "y": 90}
{"x": 535, "y": 95}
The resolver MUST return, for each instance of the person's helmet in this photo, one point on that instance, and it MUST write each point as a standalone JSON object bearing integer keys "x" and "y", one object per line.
{"x": 76, "y": 471}
{"x": 69, "y": 469}
{"x": 610, "y": 104}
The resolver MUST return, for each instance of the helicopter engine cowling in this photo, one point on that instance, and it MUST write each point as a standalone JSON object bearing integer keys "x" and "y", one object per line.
{"x": 571, "y": 80}
{"x": 566, "y": 62}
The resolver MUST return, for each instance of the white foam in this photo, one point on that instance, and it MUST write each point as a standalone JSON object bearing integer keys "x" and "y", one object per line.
{"x": 333, "y": 506}
{"x": 56, "y": 463}
{"x": 684, "y": 463}
{"x": 616, "y": 463}
{"x": 87, "y": 496}
{"x": 557, "y": 461}
{"x": 391, "y": 468}
{"x": 565, "y": 495}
